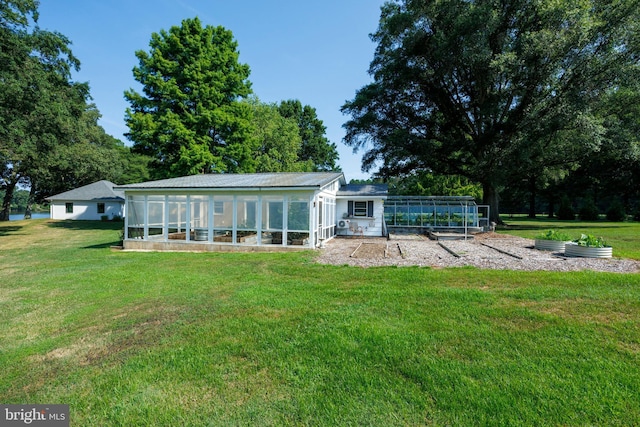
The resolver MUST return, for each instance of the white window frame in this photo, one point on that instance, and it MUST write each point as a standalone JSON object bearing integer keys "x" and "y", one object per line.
{"x": 360, "y": 208}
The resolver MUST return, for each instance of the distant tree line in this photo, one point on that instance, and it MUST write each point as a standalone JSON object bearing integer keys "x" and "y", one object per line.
{"x": 20, "y": 201}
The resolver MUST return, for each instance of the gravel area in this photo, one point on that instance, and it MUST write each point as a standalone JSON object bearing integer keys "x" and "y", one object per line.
{"x": 487, "y": 250}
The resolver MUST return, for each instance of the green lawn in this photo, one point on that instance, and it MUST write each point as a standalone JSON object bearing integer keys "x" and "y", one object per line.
{"x": 171, "y": 339}
{"x": 624, "y": 237}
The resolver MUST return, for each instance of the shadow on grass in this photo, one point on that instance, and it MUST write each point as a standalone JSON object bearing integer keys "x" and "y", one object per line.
{"x": 554, "y": 224}
{"x": 103, "y": 245}
{"x": 86, "y": 225}
{"x": 9, "y": 229}
{"x": 542, "y": 223}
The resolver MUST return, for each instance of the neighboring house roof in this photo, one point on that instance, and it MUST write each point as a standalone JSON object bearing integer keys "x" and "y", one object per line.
{"x": 237, "y": 181}
{"x": 364, "y": 190}
{"x": 98, "y": 191}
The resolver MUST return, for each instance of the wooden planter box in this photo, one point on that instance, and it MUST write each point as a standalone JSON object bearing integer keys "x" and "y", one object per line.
{"x": 251, "y": 238}
{"x": 550, "y": 245}
{"x": 574, "y": 250}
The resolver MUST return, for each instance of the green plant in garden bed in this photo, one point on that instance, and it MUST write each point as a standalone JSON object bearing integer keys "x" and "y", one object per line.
{"x": 591, "y": 241}
{"x": 554, "y": 235}
{"x": 623, "y": 236}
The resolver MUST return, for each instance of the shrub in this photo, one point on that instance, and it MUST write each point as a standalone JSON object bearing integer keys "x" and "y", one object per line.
{"x": 616, "y": 212}
{"x": 589, "y": 211}
{"x": 554, "y": 235}
{"x": 565, "y": 211}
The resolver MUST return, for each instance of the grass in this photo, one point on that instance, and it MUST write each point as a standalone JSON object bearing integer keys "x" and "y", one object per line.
{"x": 622, "y": 236}
{"x": 275, "y": 339}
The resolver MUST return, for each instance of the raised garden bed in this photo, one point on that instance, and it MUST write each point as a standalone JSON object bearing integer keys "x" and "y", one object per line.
{"x": 574, "y": 250}
{"x": 550, "y": 245}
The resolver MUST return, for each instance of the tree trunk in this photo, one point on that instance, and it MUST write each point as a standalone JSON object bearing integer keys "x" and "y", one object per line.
{"x": 6, "y": 202}
{"x": 532, "y": 196}
{"x": 492, "y": 198}
{"x": 30, "y": 202}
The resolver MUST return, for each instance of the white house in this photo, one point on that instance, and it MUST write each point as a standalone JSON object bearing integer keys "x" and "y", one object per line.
{"x": 360, "y": 209}
{"x": 91, "y": 202}
{"x": 262, "y": 211}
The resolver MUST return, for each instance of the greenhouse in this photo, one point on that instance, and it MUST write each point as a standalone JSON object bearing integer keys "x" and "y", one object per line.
{"x": 438, "y": 213}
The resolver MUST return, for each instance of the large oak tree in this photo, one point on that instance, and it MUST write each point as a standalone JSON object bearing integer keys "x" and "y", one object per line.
{"x": 39, "y": 104}
{"x": 50, "y": 140}
{"x": 486, "y": 88}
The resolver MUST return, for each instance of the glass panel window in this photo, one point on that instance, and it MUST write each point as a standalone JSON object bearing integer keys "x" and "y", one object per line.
{"x": 223, "y": 219}
{"x": 68, "y": 207}
{"x": 135, "y": 217}
{"x": 359, "y": 208}
{"x": 177, "y": 217}
{"x": 298, "y": 218}
{"x": 272, "y": 220}
{"x": 155, "y": 215}
{"x": 247, "y": 210}
{"x": 100, "y": 208}
{"x": 199, "y": 217}
{"x": 298, "y": 221}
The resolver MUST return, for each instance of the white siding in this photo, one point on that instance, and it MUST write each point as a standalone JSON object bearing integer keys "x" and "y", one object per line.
{"x": 358, "y": 225}
{"x": 85, "y": 210}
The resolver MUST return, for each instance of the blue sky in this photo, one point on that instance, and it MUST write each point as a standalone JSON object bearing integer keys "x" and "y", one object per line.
{"x": 318, "y": 51}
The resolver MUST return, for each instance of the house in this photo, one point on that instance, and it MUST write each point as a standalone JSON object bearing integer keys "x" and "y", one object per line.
{"x": 260, "y": 211}
{"x": 90, "y": 202}
{"x": 361, "y": 209}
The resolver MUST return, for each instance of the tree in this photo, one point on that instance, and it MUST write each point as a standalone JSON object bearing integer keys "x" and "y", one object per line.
{"x": 189, "y": 119}
{"x": 277, "y": 140}
{"x": 86, "y": 155}
{"x": 428, "y": 184}
{"x": 50, "y": 140}
{"x": 315, "y": 146}
{"x": 38, "y": 102}
{"x": 481, "y": 88}
{"x": 614, "y": 172}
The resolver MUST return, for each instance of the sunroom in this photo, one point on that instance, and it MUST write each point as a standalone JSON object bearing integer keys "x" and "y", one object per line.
{"x": 218, "y": 212}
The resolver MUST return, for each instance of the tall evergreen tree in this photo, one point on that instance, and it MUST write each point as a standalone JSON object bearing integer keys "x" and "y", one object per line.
{"x": 189, "y": 119}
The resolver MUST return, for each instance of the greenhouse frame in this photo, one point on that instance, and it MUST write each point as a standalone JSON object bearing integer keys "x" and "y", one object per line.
{"x": 437, "y": 213}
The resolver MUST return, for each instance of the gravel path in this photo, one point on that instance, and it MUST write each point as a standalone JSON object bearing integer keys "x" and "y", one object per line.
{"x": 489, "y": 250}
